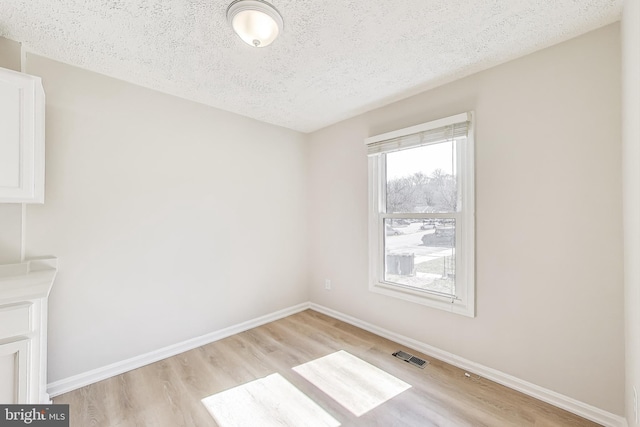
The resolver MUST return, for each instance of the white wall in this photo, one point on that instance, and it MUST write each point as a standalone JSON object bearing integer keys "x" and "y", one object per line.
{"x": 631, "y": 194}
{"x": 170, "y": 219}
{"x": 10, "y": 232}
{"x": 10, "y": 54}
{"x": 548, "y": 227}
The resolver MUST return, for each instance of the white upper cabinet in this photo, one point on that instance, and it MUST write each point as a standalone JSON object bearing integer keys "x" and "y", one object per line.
{"x": 21, "y": 138}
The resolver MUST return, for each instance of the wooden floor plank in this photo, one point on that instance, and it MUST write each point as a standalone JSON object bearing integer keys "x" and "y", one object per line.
{"x": 169, "y": 392}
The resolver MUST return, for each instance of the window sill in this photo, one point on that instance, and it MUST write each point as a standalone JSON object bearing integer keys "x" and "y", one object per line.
{"x": 430, "y": 300}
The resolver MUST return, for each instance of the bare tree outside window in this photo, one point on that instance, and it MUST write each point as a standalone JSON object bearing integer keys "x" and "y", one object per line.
{"x": 421, "y": 193}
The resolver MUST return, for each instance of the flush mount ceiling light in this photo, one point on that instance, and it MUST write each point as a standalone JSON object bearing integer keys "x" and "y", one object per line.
{"x": 257, "y": 22}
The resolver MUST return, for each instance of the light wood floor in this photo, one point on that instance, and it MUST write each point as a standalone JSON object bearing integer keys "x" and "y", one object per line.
{"x": 168, "y": 393}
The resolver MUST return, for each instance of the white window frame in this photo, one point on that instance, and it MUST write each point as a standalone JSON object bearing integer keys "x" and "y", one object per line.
{"x": 464, "y": 301}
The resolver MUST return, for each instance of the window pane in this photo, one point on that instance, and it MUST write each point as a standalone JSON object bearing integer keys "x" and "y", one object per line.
{"x": 421, "y": 253}
{"x": 422, "y": 179}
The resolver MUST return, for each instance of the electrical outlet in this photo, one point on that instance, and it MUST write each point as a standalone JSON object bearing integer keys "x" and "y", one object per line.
{"x": 635, "y": 404}
{"x": 327, "y": 284}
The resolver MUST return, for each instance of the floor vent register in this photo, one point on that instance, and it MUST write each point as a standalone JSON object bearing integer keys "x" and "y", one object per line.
{"x": 410, "y": 358}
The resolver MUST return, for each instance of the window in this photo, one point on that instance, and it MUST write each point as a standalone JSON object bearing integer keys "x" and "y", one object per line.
{"x": 421, "y": 214}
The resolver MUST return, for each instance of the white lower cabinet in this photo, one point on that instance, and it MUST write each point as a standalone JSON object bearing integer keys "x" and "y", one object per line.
{"x": 14, "y": 369}
{"x": 24, "y": 290}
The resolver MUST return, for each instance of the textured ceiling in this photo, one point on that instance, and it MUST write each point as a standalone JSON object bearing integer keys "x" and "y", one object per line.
{"x": 335, "y": 58}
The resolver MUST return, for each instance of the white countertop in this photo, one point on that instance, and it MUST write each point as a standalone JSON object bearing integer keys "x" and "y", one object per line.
{"x": 27, "y": 280}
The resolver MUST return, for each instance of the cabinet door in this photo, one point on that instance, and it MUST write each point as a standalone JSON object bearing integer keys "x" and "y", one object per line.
{"x": 21, "y": 138}
{"x": 14, "y": 381}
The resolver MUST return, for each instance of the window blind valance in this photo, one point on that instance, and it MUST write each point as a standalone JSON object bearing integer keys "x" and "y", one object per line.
{"x": 429, "y": 133}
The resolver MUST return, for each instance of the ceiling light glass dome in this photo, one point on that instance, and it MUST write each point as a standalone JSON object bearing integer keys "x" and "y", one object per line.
{"x": 257, "y": 22}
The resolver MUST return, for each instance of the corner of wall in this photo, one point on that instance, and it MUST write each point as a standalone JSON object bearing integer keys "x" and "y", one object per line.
{"x": 10, "y": 54}
{"x": 630, "y": 34}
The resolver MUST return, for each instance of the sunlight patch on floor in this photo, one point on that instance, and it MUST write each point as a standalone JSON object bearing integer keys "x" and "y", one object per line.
{"x": 353, "y": 383}
{"x": 267, "y": 402}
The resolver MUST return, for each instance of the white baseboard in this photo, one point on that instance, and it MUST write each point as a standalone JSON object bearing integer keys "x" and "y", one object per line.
{"x": 556, "y": 399}
{"x": 77, "y": 381}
